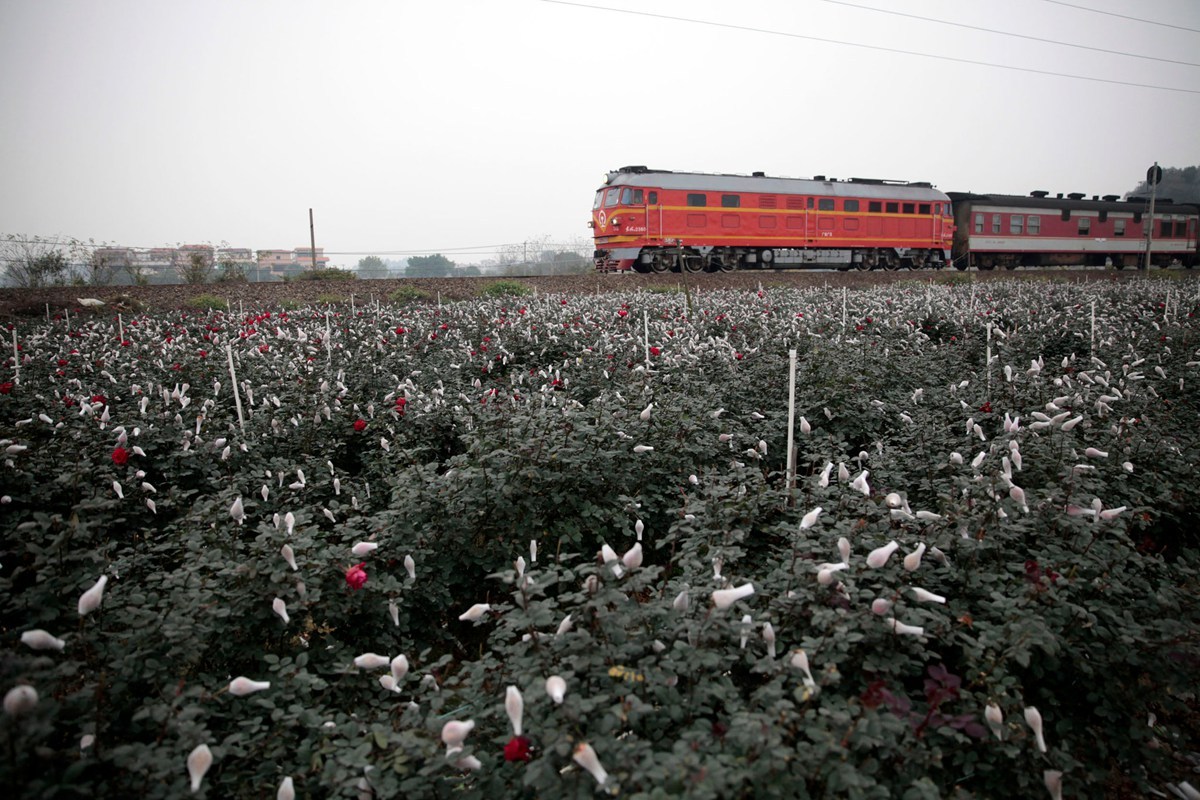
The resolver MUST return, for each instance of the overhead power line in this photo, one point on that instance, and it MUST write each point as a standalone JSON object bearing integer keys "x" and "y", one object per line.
{"x": 1009, "y": 33}
{"x": 879, "y": 48}
{"x": 1125, "y": 16}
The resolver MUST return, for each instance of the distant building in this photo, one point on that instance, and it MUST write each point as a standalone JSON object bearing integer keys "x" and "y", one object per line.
{"x": 276, "y": 265}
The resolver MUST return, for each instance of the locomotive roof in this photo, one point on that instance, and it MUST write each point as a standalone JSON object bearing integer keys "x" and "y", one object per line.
{"x": 700, "y": 181}
{"x": 1163, "y": 206}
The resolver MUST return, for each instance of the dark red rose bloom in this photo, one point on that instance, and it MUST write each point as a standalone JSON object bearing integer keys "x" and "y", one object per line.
{"x": 6, "y": 387}
{"x": 356, "y": 576}
{"x": 120, "y": 456}
{"x": 360, "y": 425}
{"x": 517, "y": 749}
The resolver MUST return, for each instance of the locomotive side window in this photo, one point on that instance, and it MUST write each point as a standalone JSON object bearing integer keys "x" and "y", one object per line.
{"x": 893, "y": 208}
{"x": 1118, "y": 227}
{"x": 653, "y": 198}
{"x": 810, "y": 202}
{"x": 825, "y": 204}
{"x": 1035, "y": 225}
{"x": 731, "y": 201}
{"x": 851, "y": 205}
{"x": 875, "y": 207}
{"x": 626, "y": 196}
{"x": 1085, "y": 226}
{"x": 1016, "y": 224}
{"x": 910, "y": 208}
{"x": 995, "y": 223}
{"x": 611, "y": 198}
{"x": 979, "y": 223}
{"x": 923, "y": 209}
{"x": 697, "y": 200}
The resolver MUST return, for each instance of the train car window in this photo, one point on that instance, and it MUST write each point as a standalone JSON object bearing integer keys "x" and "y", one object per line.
{"x": 611, "y": 198}
{"x": 850, "y": 205}
{"x": 825, "y": 204}
{"x": 1016, "y": 224}
{"x": 1066, "y": 214}
{"x": 1165, "y": 229}
{"x": 910, "y": 208}
{"x": 979, "y": 223}
{"x": 874, "y": 206}
{"x": 697, "y": 200}
{"x": 893, "y": 208}
{"x": 1035, "y": 225}
{"x": 731, "y": 201}
{"x": 1085, "y": 226}
{"x": 653, "y": 198}
{"x": 995, "y": 223}
{"x": 599, "y": 198}
{"x": 923, "y": 208}
{"x": 1118, "y": 227}
{"x": 1181, "y": 229}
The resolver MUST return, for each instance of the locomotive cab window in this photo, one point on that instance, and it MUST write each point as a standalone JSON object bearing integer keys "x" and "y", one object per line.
{"x": 631, "y": 197}
{"x": 596, "y": 202}
{"x": 851, "y": 205}
{"x": 612, "y": 197}
{"x": 731, "y": 201}
{"x": 697, "y": 200}
{"x": 825, "y": 204}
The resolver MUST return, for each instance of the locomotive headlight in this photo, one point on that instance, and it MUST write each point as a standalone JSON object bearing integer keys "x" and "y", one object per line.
{"x": 616, "y": 221}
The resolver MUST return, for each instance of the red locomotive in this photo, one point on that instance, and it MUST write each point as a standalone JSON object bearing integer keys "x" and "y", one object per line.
{"x": 1037, "y": 231}
{"x": 657, "y": 221}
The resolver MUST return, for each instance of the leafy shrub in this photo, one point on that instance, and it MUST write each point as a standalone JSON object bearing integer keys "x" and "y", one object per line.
{"x": 323, "y": 275}
{"x": 330, "y": 299}
{"x": 535, "y": 461}
{"x": 505, "y": 289}
{"x": 408, "y": 294}
{"x": 207, "y": 302}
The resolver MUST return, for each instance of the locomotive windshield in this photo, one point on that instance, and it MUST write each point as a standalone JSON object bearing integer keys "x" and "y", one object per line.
{"x": 596, "y": 202}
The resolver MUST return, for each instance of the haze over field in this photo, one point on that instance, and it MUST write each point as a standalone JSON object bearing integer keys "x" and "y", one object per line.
{"x": 461, "y": 126}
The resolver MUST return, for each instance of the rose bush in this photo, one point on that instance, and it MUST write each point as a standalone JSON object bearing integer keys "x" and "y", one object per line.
{"x": 547, "y": 497}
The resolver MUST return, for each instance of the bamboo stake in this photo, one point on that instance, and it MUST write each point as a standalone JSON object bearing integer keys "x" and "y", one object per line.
{"x": 791, "y": 449}
{"x": 237, "y": 394}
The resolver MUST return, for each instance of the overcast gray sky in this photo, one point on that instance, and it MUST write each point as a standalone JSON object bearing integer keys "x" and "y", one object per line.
{"x": 458, "y": 124}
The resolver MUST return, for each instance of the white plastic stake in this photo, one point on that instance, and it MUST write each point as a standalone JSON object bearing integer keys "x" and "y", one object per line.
{"x": 791, "y": 450}
{"x": 646, "y": 332}
{"x": 16, "y": 358}
{"x": 121, "y": 328}
{"x": 237, "y": 395}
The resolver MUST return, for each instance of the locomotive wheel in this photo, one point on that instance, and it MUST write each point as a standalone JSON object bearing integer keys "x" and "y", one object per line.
{"x": 693, "y": 263}
{"x": 660, "y": 263}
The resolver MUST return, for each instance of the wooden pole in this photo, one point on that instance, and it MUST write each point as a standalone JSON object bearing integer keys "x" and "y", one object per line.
{"x": 312, "y": 238}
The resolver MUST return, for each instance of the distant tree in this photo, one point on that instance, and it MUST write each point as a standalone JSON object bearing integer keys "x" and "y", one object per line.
{"x": 196, "y": 268}
{"x": 32, "y": 261}
{"x": 230, "y": 271}
{"x": 434, "y": 266}
{"x": 1181, "y": 184}
{"x": 372, "y": 267}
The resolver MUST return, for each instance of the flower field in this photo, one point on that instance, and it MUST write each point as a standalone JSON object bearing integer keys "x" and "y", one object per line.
{"x": 550, "y": 546}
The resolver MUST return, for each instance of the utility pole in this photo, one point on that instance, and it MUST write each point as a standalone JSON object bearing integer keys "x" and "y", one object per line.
{"x": 1153, "y": 176}
{"x": 312, "y": 237}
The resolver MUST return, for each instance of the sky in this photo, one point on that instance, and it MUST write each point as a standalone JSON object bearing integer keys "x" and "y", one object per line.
{"x": 459, "y": 126}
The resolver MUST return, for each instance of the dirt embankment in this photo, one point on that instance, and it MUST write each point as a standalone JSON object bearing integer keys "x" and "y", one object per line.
{"x": 33, "y": 302}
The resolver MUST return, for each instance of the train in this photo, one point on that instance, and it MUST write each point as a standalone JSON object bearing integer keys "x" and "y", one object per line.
{"x": 650, "y": 220}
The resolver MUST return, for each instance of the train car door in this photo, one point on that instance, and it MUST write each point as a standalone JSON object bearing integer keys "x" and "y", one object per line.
{"x": 654, "y": 215}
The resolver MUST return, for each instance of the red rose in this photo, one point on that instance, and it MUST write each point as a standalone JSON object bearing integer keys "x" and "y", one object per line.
{"x": 738, "y": 356}
{"x": 654, "y": 351}
{"x": 360, "y": 425}
{"x": 120, "y": 456}
{"x": 6, "y": 387}
{"x": 356, "y": 576}
{"x": 986, "y": 407}
{"x": 99, "y": 399}
{"x": 517, "y": 749}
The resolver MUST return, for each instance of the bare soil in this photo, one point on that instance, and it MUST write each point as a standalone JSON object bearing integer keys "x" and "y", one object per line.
{"x": 16, "y": 303}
